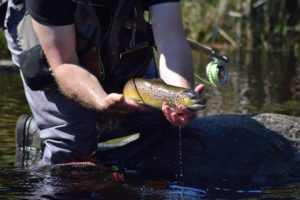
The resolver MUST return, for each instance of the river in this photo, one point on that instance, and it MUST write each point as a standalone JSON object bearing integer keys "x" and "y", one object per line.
{"x": 259, "y": 82}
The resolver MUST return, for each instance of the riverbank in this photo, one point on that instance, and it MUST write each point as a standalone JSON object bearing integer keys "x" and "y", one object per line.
{"x": 7, "y": 65}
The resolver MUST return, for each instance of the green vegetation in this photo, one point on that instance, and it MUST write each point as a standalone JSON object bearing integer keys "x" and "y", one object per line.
{"x": 291, "y": 107}
{"x": 4, "y": 53}
{"x": 248, "y": 24}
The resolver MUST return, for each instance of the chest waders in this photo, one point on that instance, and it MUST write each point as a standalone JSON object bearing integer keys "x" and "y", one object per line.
{"x": 124, "y": 47}
{"x": 118, "y": 51}
{"x": 113, "y": 53}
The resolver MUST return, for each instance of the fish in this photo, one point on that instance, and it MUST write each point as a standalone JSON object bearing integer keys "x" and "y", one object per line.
{"x": 154, "y": 92}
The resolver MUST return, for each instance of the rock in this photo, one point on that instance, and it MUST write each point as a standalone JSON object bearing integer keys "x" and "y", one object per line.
{"x": 232, "y": 149}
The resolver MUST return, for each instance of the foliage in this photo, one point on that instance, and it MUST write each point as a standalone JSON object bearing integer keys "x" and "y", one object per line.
{"x": 289, "y": 108}
{"x": 4, "y": 53}
{"x": 248, "y": 24}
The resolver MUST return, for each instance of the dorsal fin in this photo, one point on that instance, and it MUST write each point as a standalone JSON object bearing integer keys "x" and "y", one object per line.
{"x": 158, "y": 80}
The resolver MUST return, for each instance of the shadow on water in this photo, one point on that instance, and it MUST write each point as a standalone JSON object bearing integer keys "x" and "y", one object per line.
{"x": 259, "y": 82}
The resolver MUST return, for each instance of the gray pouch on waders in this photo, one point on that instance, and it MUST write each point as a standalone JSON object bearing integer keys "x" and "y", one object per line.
{"x": 25, "y": 45}
{"x": 35, "y": 68}
{"x": 32, "y": 60}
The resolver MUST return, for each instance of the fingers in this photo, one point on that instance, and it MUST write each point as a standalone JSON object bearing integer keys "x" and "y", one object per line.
{"x": 178, "y": 116}
{"x": 185, "y": 116}
{"x": 137, "y": 106}
{"x": 167, "y": 111}
{"x": 117, "y": 104}
{"x": 199, "y": 89}
{"x": 171, "y": 115}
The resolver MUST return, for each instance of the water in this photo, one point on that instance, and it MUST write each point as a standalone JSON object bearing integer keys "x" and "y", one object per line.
{"x": 259, "y": 82}
{"x": 180, "y": 161}
{"x": 179, "y": 176}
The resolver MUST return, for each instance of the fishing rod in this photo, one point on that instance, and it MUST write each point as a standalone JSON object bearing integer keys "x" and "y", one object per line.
{"x": 216, "y": 70}
{"x": 207, "y": 50}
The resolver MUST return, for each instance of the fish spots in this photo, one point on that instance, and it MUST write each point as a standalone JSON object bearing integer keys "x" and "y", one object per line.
{"x": 154, "y": 93}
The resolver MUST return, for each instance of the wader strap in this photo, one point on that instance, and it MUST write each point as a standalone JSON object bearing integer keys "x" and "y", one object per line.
{"x": 88, "y": 30}
{"x": 140, "y": 21}
{"x": 117, "y": 22}
{"x": 87, "y": 26}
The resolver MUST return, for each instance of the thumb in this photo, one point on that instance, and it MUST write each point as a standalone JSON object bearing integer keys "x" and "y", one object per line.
{"x": 199, "y": 89}
{"x": 116, "y": 97}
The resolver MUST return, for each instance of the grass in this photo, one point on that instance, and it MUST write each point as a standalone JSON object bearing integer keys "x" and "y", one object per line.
{"x": 249, "y": 24}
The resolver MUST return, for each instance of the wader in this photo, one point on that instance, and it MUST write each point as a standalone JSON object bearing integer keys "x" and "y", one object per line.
{"x": 68, "y": 130}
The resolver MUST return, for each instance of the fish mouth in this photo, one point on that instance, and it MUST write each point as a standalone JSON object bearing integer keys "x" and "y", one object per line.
{"x": 197, "y": 105}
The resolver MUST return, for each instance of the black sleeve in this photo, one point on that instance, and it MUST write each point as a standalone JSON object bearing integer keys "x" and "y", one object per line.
{"x": 52, "y": 12}
{"x": 148, "y": 3}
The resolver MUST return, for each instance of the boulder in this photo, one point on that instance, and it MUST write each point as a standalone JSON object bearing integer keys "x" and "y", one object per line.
{"x": 231, "y": 149}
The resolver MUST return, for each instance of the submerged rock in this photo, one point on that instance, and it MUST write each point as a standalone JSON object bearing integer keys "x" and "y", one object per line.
{"x": 260, "y": 148}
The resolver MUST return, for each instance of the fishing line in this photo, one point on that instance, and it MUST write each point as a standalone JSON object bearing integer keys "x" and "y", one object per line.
{"x": 138, "y": 92}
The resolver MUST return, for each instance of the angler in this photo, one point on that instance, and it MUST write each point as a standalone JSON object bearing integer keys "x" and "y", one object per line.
{"x": 75, "y": 57}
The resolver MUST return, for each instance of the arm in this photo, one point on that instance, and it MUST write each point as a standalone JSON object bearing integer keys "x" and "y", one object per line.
{"x": 175, "y": 58}
{"x": 58, "y": 43}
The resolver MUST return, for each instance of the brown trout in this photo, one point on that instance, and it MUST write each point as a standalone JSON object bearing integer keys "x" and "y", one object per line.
{"x": 153, "y": 92}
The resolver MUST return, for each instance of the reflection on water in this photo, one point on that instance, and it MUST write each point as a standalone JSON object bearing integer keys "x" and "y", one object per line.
{"x": 259, "y": 82}
{"x": 12, "y": 104}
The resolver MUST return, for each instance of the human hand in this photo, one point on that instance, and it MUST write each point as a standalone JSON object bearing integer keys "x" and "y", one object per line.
{"x": 181, "y": 116}
{"x": 117, "y": 104}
